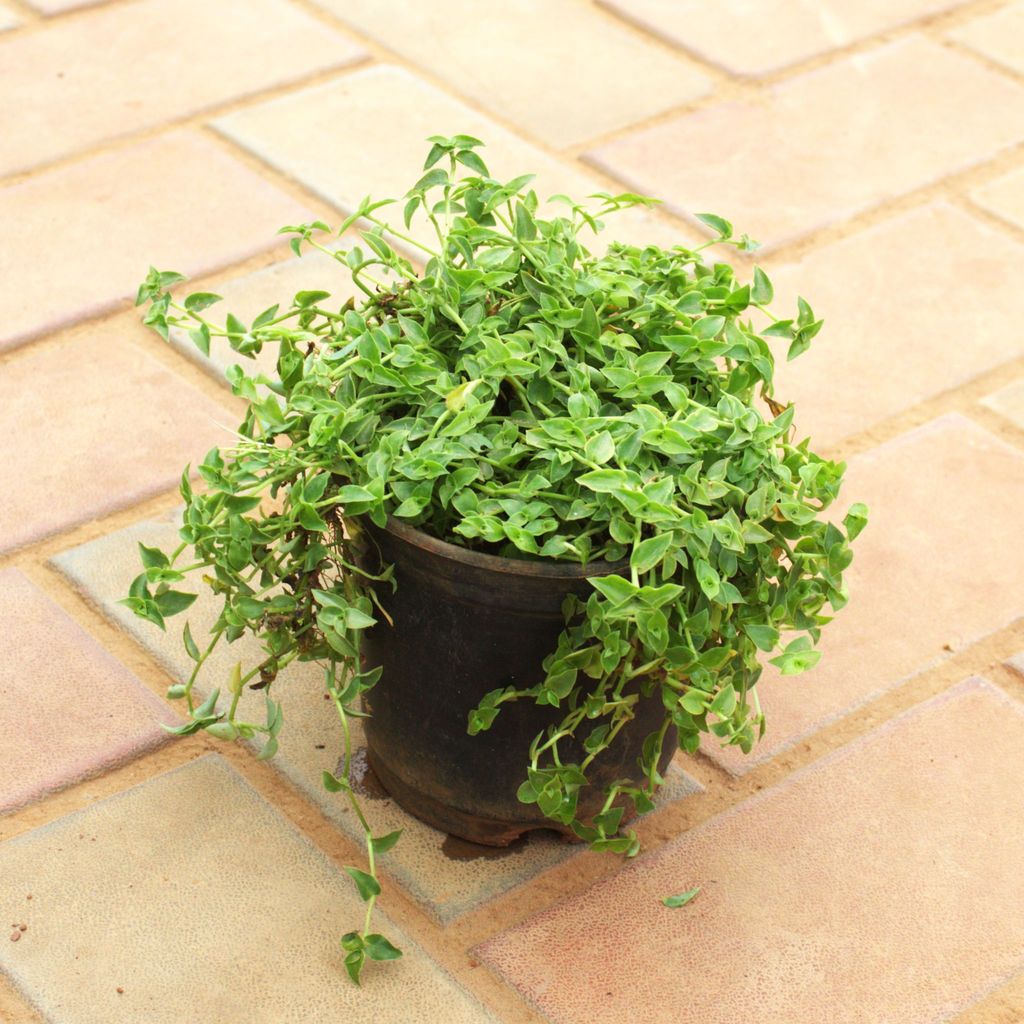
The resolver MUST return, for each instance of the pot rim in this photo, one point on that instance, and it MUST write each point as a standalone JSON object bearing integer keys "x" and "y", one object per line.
{"x": 545, "y": 569}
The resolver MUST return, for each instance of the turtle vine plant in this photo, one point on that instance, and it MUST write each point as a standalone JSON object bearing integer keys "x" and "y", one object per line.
{"x": 521, "y": 396}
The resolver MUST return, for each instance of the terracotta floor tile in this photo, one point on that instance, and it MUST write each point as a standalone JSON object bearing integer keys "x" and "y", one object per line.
{"x": 1009, "y": 402}
{"x": 883, "y": 883}
{"x": 999, "y": 35}
{"x": 391, "y": 112}
{"x": 99, "y": 426}
{"x": 201, "y": 902}
{"x": 68, "y": 709}
{"x": 121, "y": 68}
{"x": 443, "y": 875}
{"x": 177, "y": 201}
{"x": 554, "y": 70}
{"x": 1004, "y": 197}
{"x": 925, "y": 343}
{"x": 925, "y": 580}
{"x": 821, "y": 147}
{"x": 755, "y": 38}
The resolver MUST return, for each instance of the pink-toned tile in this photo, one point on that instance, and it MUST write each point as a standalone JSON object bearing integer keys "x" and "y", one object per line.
{"x": 892, "y": 337}
{"x": 118, "y": 69}
{"x": 938, "y": 567}
{"x": 68, "y": 709}
{"x": 189, "y": 899}
{"x": 825, "y": 145}
{"x": 78, "y": 239}
{"x": 523, "y": 70}
{"x": 94, "y": 425}
{"x": 882, "y": 884}
{"x": 754, "y": 37}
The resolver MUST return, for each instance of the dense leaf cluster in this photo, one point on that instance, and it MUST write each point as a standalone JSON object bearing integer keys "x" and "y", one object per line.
{"x": 521, "y": 396}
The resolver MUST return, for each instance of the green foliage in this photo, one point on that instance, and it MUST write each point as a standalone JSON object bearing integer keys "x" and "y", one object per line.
{"x": 524, "y": 397}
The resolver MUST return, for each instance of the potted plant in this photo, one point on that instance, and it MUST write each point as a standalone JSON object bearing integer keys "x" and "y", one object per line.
{"x": 534, "y": 511}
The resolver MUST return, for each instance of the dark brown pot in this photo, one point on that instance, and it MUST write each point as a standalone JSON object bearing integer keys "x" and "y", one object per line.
{"x": 466, "y": 623}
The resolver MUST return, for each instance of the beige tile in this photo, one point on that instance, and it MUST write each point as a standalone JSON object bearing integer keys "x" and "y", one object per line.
{"x": 1004, "y": 197}
{"x": 753, "y": 37}
{"x": 921, "y": 303}
{"x": 78, "y": 239}
{"x": 881, "y": 884}
{"x": 8, "y": 19}
{"x": 122, "y": 68}
{"x": 825, "y": 145}
{"x": 60, "y": 6}
{"x": 68, "y": 709}
{"x": 447, "y": 877}
{"x": 999, "y": 35}
{"x": 392, "y": 112}
{"x": 1009, "y": 402}
{"x": 926, "y": 578}
{"x": 94, "y": 425}
{"x": 555, "y": 70}
{"x": 190, "y": 899}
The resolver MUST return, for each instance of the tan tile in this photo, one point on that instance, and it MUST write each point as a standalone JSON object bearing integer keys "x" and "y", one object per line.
{"x": 122, "y": 68}
{"x": 1009, "y": 402}
{"x": 68, "y": 709}
{"x": 999, "y": 35}
{"x": 555, "y": 70}
{"x": 1004, "y": 197}
{"x": 93, "y": 425}
{"x": 881, "y": 884}
{"x": 755, "y": 38}
{"x": 60, "y": 6}
{"x": 825, "y": 145}
{"x": 446, "y": 877}
{"x": 918, "y": 304}
{"x": 77, "y": 240}
{"x": 925, "y": 579}
{"x": 392, "y": 112}
{"x": 1017, "y": 663}
{"x": 8, "y": 19}
{"x": 190, "y": 899}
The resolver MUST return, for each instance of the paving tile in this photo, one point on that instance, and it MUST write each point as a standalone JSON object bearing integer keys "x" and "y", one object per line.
{"x": 881, "y": 884}
{"x": 8, "y": 19}
{"x": 68, "y": 709}
{"x": 925, "y": 579}
{"x": 189, "y": 893}
{"x": 885, "y": 296}
{"x": 177, "y": 201}
{"x": 825, "y": 145}
{"x": 249, "y": 295}
{"x": 756, "y": 38}
{"x": 1004, "y": 197}
{"x": 999, "y": 35}
{"x": 1009, "y": 402}
{"x": 1017, "y": 663}
{"x": 449, "y": 878}
{"x": 523, "y": 71}
{"x": 391, "y": 112}
{"x": 123, "y": 68}
{"x": 49, "y": 7}
{"x": 99, "y": 425}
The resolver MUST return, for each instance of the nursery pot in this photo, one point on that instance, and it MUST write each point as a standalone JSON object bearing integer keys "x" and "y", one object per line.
{"x": 466, "y": 623}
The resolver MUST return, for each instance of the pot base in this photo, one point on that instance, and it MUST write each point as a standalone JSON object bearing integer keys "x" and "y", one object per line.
{"x": 471, "y": 827}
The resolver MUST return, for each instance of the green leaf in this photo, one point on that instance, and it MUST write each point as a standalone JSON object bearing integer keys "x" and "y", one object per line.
{"x": 855, "y": 520}
{"x": 762, "y": 291}
{"x": 331, "y": 783}
{"x": 190, "y": 645}
{"x": 379, "y": 948}
{"x": 171, "y": 602}
{"x": 153, "y": 558}
{"x": 708, "y": 579}
{"x": 682, "y": 899}
{"x": 367, "y": 885}
{"x": 600, "y": 448}
{"x": 716, "y": 223}
{"x": 708, "y": 327}
{"x": 765, "y": 637}
{"x": 198, "y": 301}
{"x": 649, "y": 553}
{"x": 381, "y": 844}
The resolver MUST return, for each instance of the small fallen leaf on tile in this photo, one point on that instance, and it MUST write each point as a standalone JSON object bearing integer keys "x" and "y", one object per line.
{"x": 682, "y": 899}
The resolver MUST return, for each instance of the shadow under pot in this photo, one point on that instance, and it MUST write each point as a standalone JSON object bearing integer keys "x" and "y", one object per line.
{"x": 466, "y": 623}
